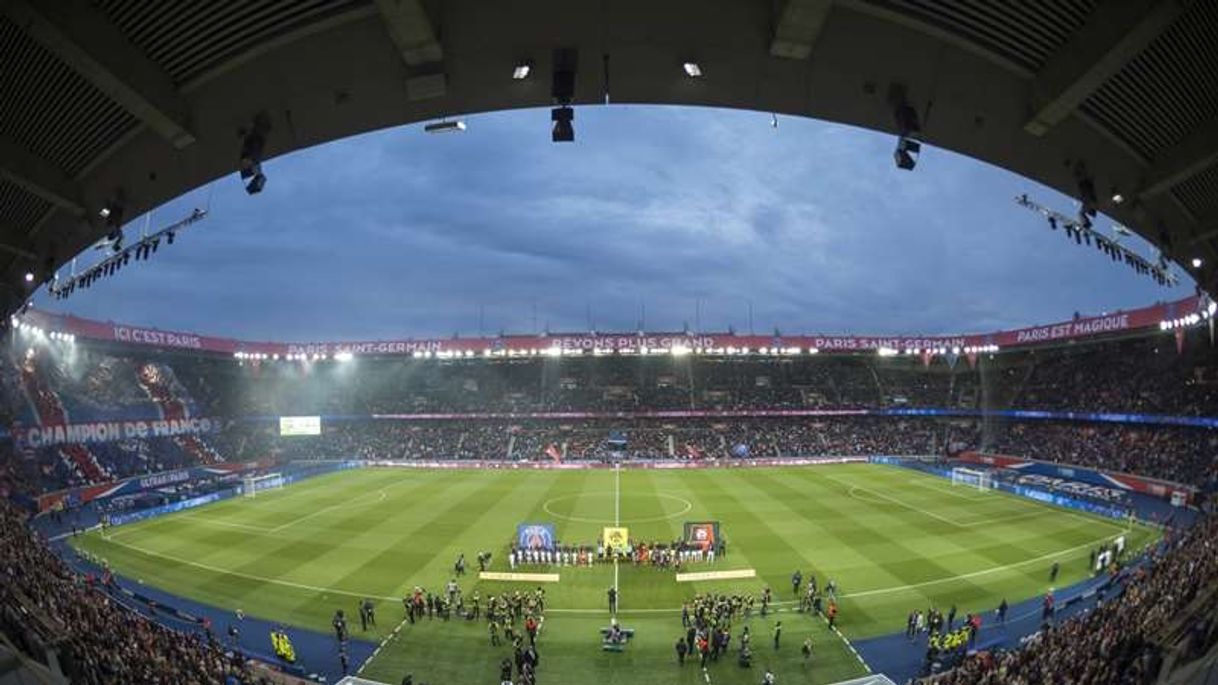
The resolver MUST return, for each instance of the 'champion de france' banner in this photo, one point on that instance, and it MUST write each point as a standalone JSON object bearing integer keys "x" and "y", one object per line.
{"x": 109, "y": 431}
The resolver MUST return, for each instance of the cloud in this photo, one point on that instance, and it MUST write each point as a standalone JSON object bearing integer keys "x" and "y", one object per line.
{"x": 398, "y": 233}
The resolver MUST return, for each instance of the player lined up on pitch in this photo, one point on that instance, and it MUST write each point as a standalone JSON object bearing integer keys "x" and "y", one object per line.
{"x": 672, "y": 555}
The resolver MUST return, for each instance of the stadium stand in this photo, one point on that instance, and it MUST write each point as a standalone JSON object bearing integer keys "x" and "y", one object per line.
{"x": 52, "y": 612}
{"x": 654, "y": 408}
{"x": 1122, "y": 639}
{"x": 1146, "y": 375}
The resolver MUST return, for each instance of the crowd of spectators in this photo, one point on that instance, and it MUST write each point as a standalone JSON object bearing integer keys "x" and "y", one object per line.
{"x": 99, "y": 641}
{"x": 1145, "y": 375}
{"x": 1182, "y": 455}
{"x": 1178, "y": 454}
{"x": 1119, "y": 641}
{"x": 601, "y": 439}
{"x": 1137, "y": 375}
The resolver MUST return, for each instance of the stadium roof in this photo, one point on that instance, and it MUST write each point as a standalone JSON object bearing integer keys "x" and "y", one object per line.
{"x": 125, "y": 104}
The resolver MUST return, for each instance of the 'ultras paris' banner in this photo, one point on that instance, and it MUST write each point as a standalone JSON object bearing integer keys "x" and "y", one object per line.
{"x": 535, "y": 536}
{"x": 109, "y": 431}
{"x": 1081, "y": 327}
{"x": 616, "y": 539}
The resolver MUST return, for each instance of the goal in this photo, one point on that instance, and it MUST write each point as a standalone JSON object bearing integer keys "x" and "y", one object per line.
{"x": 972, "y": 478}
{"x": 253, "y": 485}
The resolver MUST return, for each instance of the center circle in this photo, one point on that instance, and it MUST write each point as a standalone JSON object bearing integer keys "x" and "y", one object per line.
{"x": 626, "y": 497}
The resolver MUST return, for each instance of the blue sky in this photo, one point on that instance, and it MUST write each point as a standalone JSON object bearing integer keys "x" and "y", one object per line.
{"x": 399, "y": 233}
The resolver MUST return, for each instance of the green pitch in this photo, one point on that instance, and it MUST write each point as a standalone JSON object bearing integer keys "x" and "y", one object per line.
{"x": 893, "y": 539}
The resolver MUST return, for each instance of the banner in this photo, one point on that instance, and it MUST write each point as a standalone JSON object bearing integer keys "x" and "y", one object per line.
{"x": 1073, "y": 487}
{"x": 109, "y": 431}
{"x": 1065, "y": 472}
{"x": 616, "y": 539}
{"x": 1116, "y": 322}
{"x": 1067, "y": 502}
{"x": 535, "y": 536}
{"x": 136, "y": 485}
{"x": 133, "y": 516}
{"x": 704, "y": 534}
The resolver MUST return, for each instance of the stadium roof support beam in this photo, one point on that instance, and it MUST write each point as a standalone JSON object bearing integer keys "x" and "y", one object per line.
{"x": 798, "y": 28}
{"x": 1197, "y": 152}
{"x": 411, "y": 31}
{"x": 39, "y": 177}
{"x": 88, "y": 42}
{"x": 1114, "y": 34}
{"x": 1209, "y": 228}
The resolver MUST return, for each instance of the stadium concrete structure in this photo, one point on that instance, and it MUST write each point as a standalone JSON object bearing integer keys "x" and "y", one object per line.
{"x": 121, "y": 105}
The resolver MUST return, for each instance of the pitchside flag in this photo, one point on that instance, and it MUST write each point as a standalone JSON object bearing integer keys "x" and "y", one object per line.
{"x": 535, "y": 536}
{"x": 704, "y": 534}
{"x": 617, "y": 539}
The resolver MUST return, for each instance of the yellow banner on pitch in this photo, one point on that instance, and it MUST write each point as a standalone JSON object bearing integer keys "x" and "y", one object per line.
{"x": 616, "y": 539}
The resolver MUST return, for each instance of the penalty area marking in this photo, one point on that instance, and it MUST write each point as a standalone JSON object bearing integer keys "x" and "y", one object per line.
{"x": 524, "y": 577}
{"x": 716, "y": 575}
{"x": 577, "y": 519}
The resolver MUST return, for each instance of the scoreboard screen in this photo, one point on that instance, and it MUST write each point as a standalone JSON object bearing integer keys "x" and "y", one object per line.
{"x": 300, "y": 425}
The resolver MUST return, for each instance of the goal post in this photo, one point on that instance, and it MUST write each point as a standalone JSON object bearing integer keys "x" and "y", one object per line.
{"x": 972, "y": 478}
{"x": 252, "y": 485}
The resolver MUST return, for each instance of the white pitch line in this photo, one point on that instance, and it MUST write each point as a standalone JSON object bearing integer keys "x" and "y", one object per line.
{"x": 983, "y": 572}
{"x": 946, "y": 491}
{"x": 229, "y": 524}
{"x": 1004, "y": 519}
{"x": 895, "y": 501}
{"x": 323, "y": 510}
{"x": 617, "y": 521}
{"x": 391, "y": 636}
{"x": 617, "y": 495}
{"x": 249, "y": 576}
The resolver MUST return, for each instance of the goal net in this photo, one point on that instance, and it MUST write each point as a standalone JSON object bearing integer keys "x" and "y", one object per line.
{"x": 972, "y": 478}
{"x": 252, "y": 485}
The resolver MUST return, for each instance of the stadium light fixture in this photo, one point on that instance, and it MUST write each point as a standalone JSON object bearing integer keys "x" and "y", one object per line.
{"x": 521, "y": 71}
{"x": 29, "y": 277}
{"x": 344, "y": 356}
{"x": 1117, "y": 198}
{"x": 692, "y": 69}
{"x": 906, "y": 154}
{"x": 1196, "y": 263}
{"x": 562, "y": 90}
{"x": 249, "y": 159}
{"x": 564, "y": 126}
{"x": 456, "y": 126}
